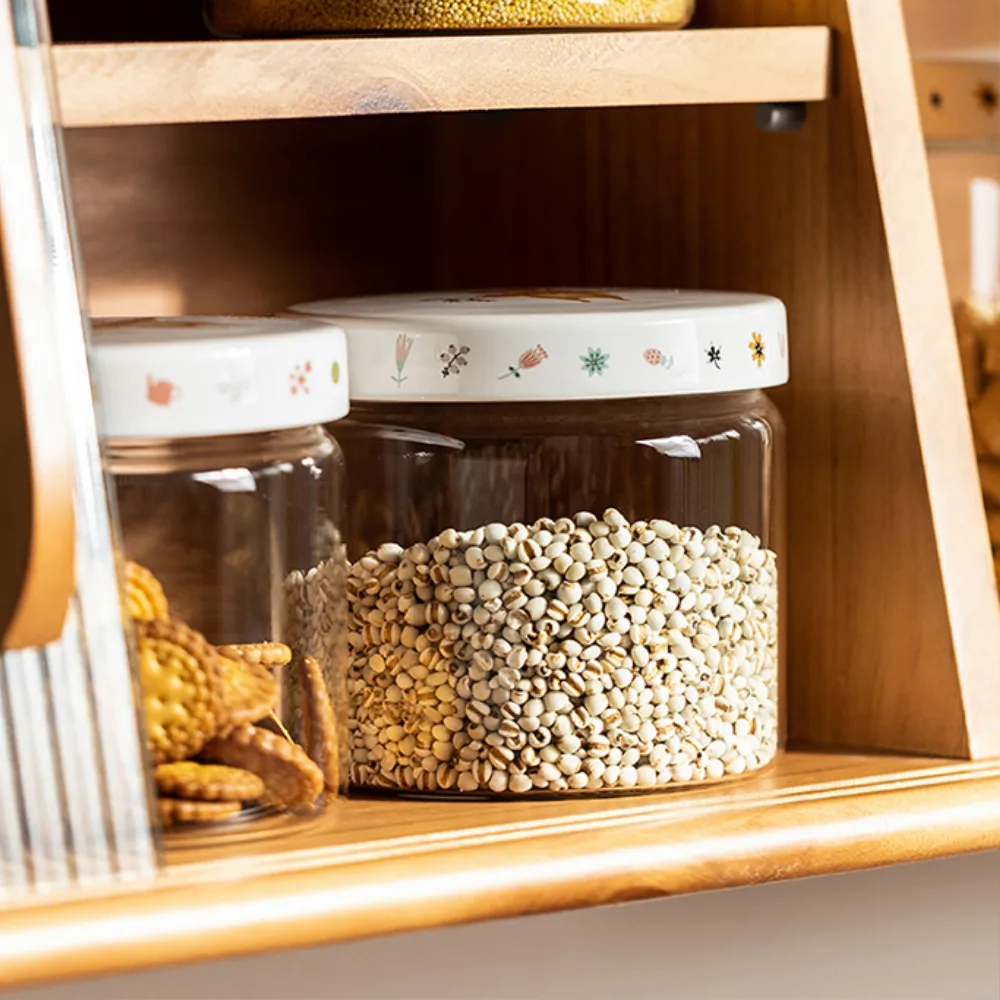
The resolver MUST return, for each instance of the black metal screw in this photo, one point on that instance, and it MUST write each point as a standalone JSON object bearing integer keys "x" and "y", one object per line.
{"x": 780, "y": 117}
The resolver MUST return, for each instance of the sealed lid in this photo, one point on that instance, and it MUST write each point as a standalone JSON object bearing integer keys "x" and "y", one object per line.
{"x": 197, "y": 376}
{"x": 552, "y": 344}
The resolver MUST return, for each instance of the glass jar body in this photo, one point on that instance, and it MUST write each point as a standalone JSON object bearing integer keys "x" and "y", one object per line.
{"x": 243, "y": 534}
{"x": 236, "y": 17}
{"x": 559, "y": 597}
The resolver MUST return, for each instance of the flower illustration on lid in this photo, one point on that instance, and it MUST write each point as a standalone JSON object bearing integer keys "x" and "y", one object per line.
{"x": 530, "y": 359}
{"x": 404, "y": 345}
{"x": 756, "y": 346}
{"x": 299, "y": 379}
{"x": 454, "y": 359}
{"x": 595, "y": 361}
{"x": 715, "y": 356}
{"x": 161, "y": 392}
{"x": 658, "y": 359}
{"x": 237, "y": 384}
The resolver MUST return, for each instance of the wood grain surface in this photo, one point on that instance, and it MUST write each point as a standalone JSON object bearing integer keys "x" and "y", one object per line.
{"x": 381, "y": 865}
{"x": 158, "y": 83}
{"x": 960, "y": 100}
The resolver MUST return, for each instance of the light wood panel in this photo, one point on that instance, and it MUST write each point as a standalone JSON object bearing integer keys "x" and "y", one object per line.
{"x": 378, "y": 866}
{"x": 934, "y": 27}
{"x": 233, "y": 81}
{"x": 960, "y": 100}
{"x": 933, "y": 365}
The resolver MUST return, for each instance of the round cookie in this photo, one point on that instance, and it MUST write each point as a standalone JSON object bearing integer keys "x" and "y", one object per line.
{"x": 291, "y": 779}
{"x": 187, "y": 779}
{"x": 249, "y": 692}
{"x": 182, "y": 689}
{"x": 319, "y": 722}
{"x": 144, "y": 596}
{"x": 174, "y": 812}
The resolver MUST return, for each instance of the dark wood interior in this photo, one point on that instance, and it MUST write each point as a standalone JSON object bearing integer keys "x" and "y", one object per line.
{"x": 252, "y": 217}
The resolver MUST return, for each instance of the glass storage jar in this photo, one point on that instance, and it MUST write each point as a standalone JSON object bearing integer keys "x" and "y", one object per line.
{"x": 229, "y": 491}
{"x": 254, "y": 17}
{"x": 566, "y": 509}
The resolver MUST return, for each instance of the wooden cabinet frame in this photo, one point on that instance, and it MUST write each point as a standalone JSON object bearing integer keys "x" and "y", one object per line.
{"x": 647, "y": 169}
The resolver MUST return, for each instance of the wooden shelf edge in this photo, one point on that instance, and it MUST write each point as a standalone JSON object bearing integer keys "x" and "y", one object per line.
{"x": 431, "y": 864}
{"x": 180, "y": 82}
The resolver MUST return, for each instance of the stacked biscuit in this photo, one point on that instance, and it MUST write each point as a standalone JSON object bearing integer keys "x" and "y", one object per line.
{"x": 979, "y": 345}
{"x": 202, "y": 705}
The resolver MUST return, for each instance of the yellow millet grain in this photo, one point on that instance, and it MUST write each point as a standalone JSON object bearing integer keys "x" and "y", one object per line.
{"x": 238, "y": 16}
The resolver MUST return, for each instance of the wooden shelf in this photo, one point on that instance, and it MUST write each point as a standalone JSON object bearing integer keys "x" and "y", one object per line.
{"x": 373, "y": 866}
{"x": 148, "y": 84}
{"x": 894, "y": 630}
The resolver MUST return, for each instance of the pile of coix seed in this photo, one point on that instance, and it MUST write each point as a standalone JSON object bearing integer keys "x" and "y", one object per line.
{"x": 585, "y": 653}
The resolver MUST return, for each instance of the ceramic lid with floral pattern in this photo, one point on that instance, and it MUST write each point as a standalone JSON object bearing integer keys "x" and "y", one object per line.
{"x": 201, "y": 376}
{"x": 558, "y": 344}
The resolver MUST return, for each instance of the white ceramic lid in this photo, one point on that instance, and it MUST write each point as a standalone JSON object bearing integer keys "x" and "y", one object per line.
{"x": 559, "y": 344}
{"x": 199, "y": 376}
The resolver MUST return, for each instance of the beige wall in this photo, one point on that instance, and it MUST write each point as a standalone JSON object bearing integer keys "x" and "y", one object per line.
{"x": 950, "y": 176}
{"x": 921, "y": 932}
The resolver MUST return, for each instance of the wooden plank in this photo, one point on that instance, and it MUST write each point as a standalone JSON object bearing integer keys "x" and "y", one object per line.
{"x": 36, "y": 511}
{"x": 959, "y": 99}
{"x": 922, "y": 299}
{"x": 160, "y": 83}
{"x": 377, "y": 866}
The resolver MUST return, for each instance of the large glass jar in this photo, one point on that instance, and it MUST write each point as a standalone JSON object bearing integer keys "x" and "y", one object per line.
{"x": 229, "y": 491}
{"x": 565, "y": 519}
{"x": 240, "y": 17}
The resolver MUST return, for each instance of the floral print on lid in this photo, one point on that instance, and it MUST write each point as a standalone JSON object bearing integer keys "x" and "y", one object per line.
{"x": 530, "y": 359}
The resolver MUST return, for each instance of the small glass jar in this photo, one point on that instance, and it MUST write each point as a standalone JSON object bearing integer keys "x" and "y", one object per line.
{"x": 230, "y": 493}
{"x": 564, "y": 529}
{"x": 243, "y": 17}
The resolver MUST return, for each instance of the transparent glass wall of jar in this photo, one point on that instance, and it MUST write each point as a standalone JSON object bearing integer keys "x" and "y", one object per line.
{"x": 230, "y": 495}
{"x": 551, "y": 595}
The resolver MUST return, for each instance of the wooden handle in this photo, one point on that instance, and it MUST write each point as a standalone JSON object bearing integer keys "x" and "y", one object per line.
{"x": 37, "y": 527}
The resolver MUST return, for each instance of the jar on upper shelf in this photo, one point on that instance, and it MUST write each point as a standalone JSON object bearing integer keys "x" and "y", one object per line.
{"x": 250, "y": 17}
{"x": 564, "y": 536}
{"x": 230, "y": 495}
